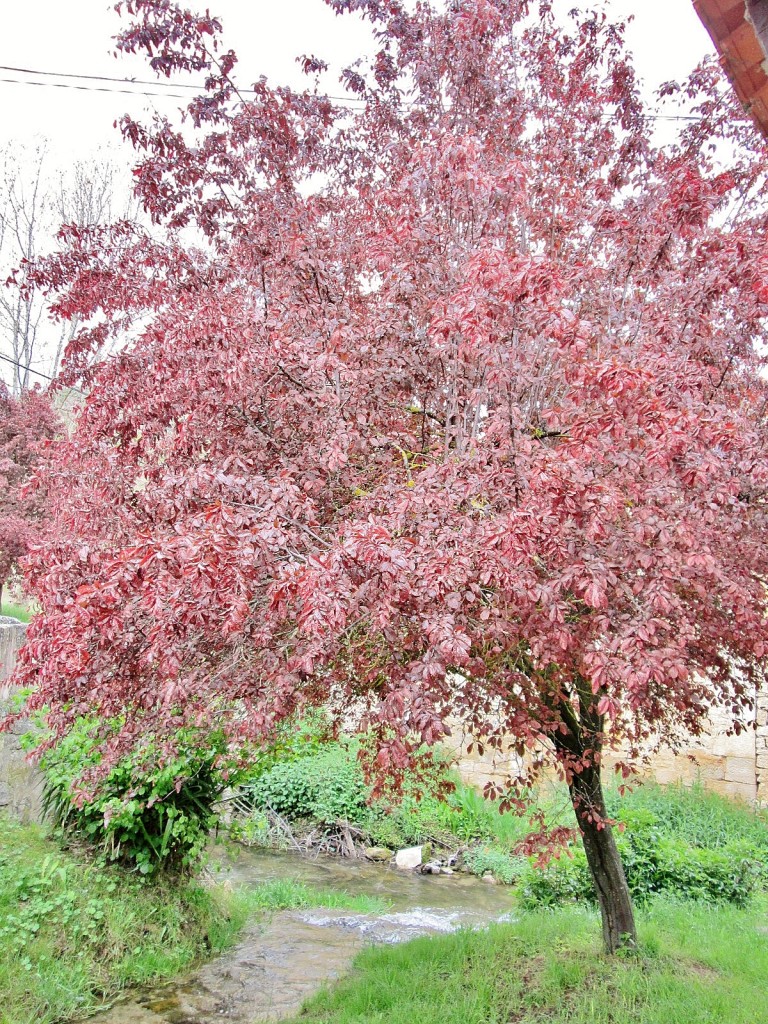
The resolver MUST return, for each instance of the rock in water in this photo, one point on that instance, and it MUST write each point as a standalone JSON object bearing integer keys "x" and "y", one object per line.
{"x": 378, "y": 853}
{"x": 410, "y": 858}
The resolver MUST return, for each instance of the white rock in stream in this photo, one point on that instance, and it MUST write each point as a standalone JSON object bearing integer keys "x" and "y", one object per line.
{"x": 410, "y": 858}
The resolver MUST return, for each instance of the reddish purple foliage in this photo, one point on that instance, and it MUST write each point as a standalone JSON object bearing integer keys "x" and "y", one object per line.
{"x": 483, "y": 404}
{"x": 26, "y": 424}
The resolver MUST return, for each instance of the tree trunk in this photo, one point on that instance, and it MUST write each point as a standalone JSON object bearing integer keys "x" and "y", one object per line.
{"x": 605, "y": 865}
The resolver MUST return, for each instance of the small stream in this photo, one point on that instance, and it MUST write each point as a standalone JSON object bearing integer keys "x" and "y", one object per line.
{"x": 283, "y": 958}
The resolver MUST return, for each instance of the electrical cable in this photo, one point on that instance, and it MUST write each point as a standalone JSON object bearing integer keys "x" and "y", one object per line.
{"x": 166, "y": 87}
{"x": 38, "y": 373}
{"x": 199, "y": 87}
{"x": 22, "y": 366}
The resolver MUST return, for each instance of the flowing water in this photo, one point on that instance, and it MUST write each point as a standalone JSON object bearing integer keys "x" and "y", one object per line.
{"x": 284, "y": 957}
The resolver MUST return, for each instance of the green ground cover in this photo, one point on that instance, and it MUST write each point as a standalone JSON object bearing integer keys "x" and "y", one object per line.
{"x": 16, "y": 611}
{"x": 74, "y": 933}
{"x": 698, "y": 964}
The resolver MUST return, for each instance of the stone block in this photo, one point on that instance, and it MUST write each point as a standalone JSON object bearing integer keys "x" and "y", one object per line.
{"x": 378, "y": 853}
{"x": 735, "y": 790}
{"x": 741, "y": 770}
{"x": 409, "y": 859}
{"x": 699, "y": 766}
{"x": 742, "y": 745}
{"x": 666, "y": 774}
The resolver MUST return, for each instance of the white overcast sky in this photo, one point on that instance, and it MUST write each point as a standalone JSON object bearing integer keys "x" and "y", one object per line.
{"x": 74, "y": 36}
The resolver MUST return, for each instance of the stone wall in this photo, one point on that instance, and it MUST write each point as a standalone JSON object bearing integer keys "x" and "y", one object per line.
{"x": 11, "y": 638}
{"x": 735, "y": 766}
{"x": 19, "y": 781}
{"x": 761, "y": 748}
{"x": 476, "y": 769}
{"x": 722, "y": 763}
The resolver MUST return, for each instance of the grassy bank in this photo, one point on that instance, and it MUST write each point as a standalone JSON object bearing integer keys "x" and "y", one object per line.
{"x": 698, "y": 965}
{"x": 16, "y": 611}
{"x": 73, "y": 934}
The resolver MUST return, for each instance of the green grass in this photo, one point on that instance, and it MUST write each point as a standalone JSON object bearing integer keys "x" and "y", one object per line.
{"x": 287, "y": 894}
{"x": 16, "y": 611}
{"x": 701, "y": 818}
{"x": 73, "y": 934}
{"x": 697, "y": 965}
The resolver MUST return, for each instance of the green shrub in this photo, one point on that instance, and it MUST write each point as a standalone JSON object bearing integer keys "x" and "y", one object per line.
{"x": 296, "y": 737}
{"x": 147, "y": 814}
{"x": 408, "y": 822}
{"x": 251, "y": 829}
{"x": 702, "y": 818}
{"x": 324, "y": 786}
{"x": 724, "y": 875}
{"x": 314, "y": 779}
{"x": 566, "y": 880}
{"x": 653, "y": 864}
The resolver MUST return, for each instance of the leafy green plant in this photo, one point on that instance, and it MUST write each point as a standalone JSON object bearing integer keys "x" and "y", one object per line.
{"x": 251, "y": 829}
{"x": 74, "y": 932}
{"x": 694, "y": 814}
{"x": 147, "y": 813}
{"x": 566, "y": 880}
{"x": 298, "y": 737}
{"x": 654, "y": 864}
{"x": 325, "y": 786}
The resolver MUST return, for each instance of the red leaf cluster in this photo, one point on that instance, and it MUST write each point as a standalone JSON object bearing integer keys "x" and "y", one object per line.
{"x": 27, "y": 423}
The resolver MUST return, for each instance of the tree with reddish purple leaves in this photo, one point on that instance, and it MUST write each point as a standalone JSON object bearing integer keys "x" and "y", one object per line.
{"x": 27, "y": 422}
{"x": 454, "y": 411}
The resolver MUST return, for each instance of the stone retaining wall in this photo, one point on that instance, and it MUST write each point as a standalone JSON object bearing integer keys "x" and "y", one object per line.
{"x": 735, "y": 766}
{"x": 722, "y": 763}
{"x": 761, "y": 748}
{"x": 19, "y": 781}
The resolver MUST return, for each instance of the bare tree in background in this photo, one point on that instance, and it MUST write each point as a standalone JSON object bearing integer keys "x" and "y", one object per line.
{"x": 35, "y": 200}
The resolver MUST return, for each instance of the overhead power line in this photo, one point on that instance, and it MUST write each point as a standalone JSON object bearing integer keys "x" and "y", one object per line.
{"x": 163, "y": 89}
{"x": 92, "y": 88}
{"x": 38, "y": 373}
{"x": 22, "y": 366}
{"x": 96, "y": 78}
